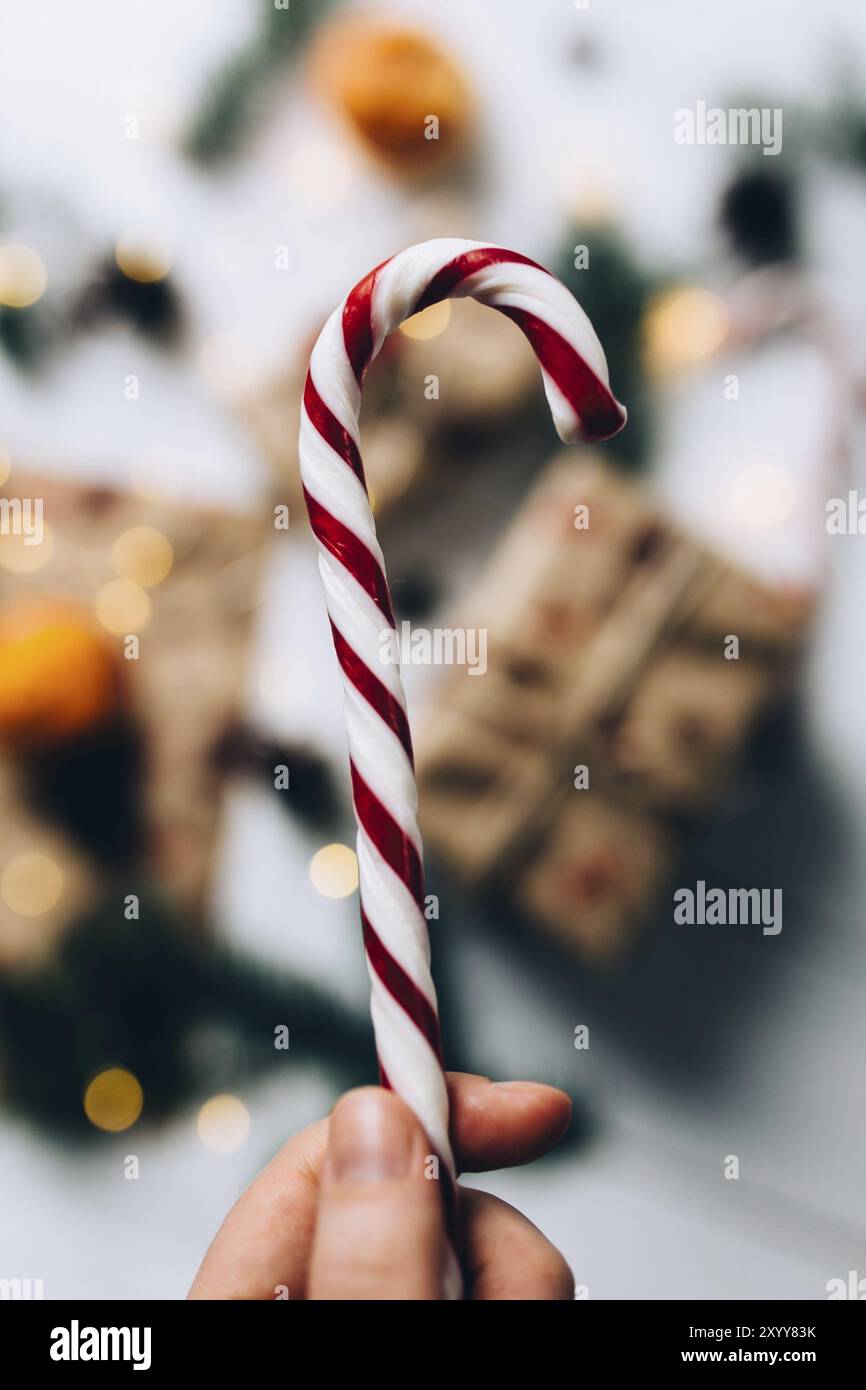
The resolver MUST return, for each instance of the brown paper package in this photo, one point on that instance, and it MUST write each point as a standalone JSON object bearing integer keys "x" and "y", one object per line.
{"x": 607, "y": 635}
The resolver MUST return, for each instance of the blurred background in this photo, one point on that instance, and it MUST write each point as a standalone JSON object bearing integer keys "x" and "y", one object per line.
{"x": 185, "y": 194}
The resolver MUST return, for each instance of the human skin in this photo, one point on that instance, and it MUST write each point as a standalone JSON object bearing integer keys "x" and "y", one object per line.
{"x": 346, "y": 1210}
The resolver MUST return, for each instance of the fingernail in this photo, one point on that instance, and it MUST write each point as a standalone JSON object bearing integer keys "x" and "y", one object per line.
{"x": 370, "y": 1138}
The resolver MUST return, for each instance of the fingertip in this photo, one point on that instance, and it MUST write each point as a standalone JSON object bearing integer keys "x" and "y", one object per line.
{"x": 508, "y": 1257}
{"x": 464, "y": 1083}
{"x": 498, "y": 1124}
{"x": 549, "y": 1102}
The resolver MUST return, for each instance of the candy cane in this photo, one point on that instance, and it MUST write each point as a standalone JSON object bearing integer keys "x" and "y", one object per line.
{"x": 403, "y": 1000}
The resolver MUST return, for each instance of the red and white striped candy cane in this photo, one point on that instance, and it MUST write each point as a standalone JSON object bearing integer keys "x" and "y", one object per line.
{"x": 359, "y": 604}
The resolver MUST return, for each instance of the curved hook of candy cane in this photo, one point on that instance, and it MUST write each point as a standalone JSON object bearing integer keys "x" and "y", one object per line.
{"x": 575, "y": 377}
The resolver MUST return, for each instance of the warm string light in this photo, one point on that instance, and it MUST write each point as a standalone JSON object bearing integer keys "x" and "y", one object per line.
{"x": 591, "y": 199}
{"x": 142, "y": 556}
{"x": 143, "y": 256}
{"x": 23, "y": 276}
{"x": 122, "y": 606}
{"x": 18, "y": 556}
{"x": 429, "y": 323}
{"x": 113, "y": 1100}
{"x": 682, "y": 328}
{"x": 223, "y": 1124}
{"x": 334, "y": 871}
{"x": 31, "y": 884}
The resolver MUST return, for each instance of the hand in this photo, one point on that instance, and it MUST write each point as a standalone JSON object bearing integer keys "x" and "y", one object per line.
{"x": 345, "y": 1211}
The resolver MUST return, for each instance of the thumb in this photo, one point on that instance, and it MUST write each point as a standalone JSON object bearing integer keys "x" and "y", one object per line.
{"x": 379, "y": 1230}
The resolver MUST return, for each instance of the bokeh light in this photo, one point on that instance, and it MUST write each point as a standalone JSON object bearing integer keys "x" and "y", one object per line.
{"x": 122, "y": 606}
{"x": 590, "y": 199}
{"x": 142, "y": 555}
{"x": 683, "y": 327}
{"x": 5, "y": 464}
{"x": 223, "y": 1124}
{"x": 31, "y": 884}
{"x": 18, "y": 555}
{"x": 23, "y": 276}
{"x": 334, "y": 871}
{"x": 113, "y": 1100}
{"x": 429, "y": 323}
{"x": 143, "y": 256}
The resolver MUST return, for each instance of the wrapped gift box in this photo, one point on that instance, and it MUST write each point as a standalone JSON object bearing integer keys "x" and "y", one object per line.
{"x": 607, "y": 633}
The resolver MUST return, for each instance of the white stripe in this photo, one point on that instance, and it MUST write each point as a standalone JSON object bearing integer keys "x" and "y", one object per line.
{"x": 332, "y": 374}
{"x": 382, "y": 764}
{"x": 362, "y": 632}
{"x": 332, "y": 483}
{"x": 344, "y": 592}
{"x": 527, "y": 287}
{"x": 412, "y": 1067}
{"x": 396, "y": 920}
{"x": 410, "y": 1063}
{"x": 400, "y": 284}
{"x": 388, "y": 902}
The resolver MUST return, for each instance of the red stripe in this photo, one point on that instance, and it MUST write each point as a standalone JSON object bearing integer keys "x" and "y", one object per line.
{"x": 401, "y": 986}
{"x": 331, "y": 430}
{"x": 446, "y": 280}
{"x": 448, "y": 1187}
{"x": 600, "y": 414}
{"x": 597, "y": 408}
{"x": 417, "y": 1006}
{"x": 390, "y": 839}
{"x": 351, "y": 552}
{"x": 592, "y": 401}
{"x": 374, "y": 691}
{"x": 358, "y": 323}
